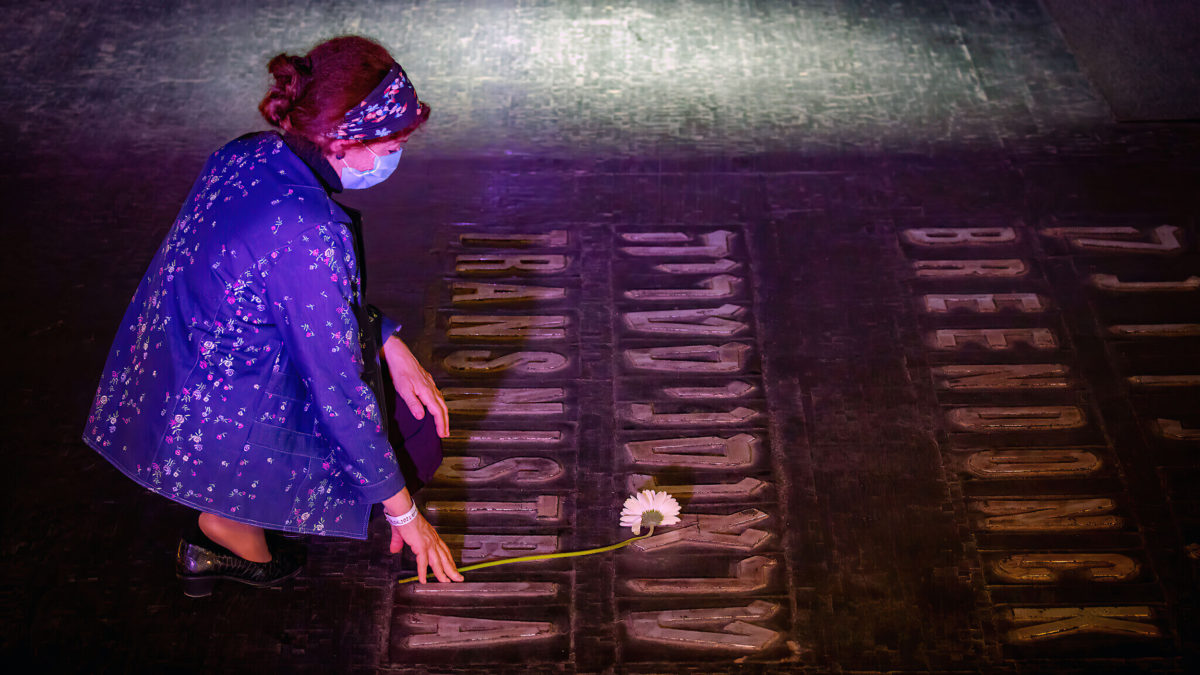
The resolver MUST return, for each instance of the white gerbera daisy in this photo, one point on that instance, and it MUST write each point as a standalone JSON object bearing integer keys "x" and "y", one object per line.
{"x": 649, "y": 507}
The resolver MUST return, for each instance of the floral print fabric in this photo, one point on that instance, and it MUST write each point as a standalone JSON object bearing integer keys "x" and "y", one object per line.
{"x": 236, "y": 383}
{"x": 391, "y": 107}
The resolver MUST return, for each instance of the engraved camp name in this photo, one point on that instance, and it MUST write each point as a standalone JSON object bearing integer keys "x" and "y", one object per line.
{"x": 1177, "y": 291}
{"x": 506, "y": 319}
{"x": 976, "y": 386}
{"x": 685, "y": 322}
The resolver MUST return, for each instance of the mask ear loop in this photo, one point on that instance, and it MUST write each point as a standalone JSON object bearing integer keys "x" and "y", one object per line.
{"x": 368, "y": 148}
{"x": 342, "y": 155}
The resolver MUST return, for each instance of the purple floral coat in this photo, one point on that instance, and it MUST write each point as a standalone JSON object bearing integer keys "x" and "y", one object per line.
{"x": 236, "y": 383}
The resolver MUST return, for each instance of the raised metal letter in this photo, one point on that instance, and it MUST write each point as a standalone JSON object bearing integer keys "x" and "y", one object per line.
{"x": 1047, "y": 463}
{"x": 1055, "y": 622}
{"x": 643, "y": 413}
{"x": 983, "y": 303}
{"x": 437, "y": 631}
{"x": 1173, "y": 429}
{"x": 1164, "y": 238}
{"x": 992, "y": 338}
{"x": 484, "y": 264}
{"x": 716, "y": 245}
{"x": 714, "y": 321}
{"x": 1156, "y": 330}
{"x": 473, "y": 591}
{"x": 543, "y": 507}
{"x": 507, "y": 327}
{"x": 1164, "y": 380}
{"x": 728, "y": 358}
{"x": 1025, "y": 376}
{"x": 715, "y": 267}
{"x": 749, "y": 575}
{"x": 735, "y": 389}
{"x": 502, "y": 401}
{"x": 712, "y": 288}
{"x": 1110, "y": 282}
{"x": 488, "y": 361}
{"x": 1046, "y": 568}
{"x": 1017, "y": 418}
{"x": 551, "y": 239}
{"x": 465, "y": 292}
{"x": 745, "y": 488}
{"x": 958, "y": 236}
{"x": 683, "y": 627}
{"x": 965, "y": 269}
{"x": 732, "y": 532}
{"x": 503, "y": 437}
{"x": 1047, "y": 515}
{"x": 704, "y": 452}
{"x": 480, "y": 547}
{"x": 472, "y": 470}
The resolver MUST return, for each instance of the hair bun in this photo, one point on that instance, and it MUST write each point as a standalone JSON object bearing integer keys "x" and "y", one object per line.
{"x": 292, "y": 76}
{"x": 311, "y": 94}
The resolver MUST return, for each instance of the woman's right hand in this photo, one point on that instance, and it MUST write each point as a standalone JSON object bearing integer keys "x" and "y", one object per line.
{"x": 431, "y": 551}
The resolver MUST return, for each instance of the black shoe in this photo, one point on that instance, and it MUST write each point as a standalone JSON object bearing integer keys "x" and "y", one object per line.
{"x": 200, "y": 562}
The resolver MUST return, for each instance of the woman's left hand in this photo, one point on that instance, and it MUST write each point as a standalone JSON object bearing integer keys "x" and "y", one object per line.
{"x": 415, "y": 385}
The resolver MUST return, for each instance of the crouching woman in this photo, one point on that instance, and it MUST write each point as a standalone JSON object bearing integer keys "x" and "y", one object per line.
{"x": 245, "y": 381}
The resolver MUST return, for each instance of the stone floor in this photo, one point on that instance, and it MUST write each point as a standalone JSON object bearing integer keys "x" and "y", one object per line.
{"x": 876, "y": 288}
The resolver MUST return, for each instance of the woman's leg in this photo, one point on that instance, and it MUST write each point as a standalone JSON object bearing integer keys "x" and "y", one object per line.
{"x": 245, "y": 541}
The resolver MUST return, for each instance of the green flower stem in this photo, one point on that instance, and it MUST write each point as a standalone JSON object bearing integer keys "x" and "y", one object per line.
{"x": 546, "y": 556}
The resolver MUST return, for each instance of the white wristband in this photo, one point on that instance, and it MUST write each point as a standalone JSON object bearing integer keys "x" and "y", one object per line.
{"x": 401, "y": 521}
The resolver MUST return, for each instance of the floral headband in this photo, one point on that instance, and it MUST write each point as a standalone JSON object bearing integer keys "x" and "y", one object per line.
{"x": 390, "y": 107}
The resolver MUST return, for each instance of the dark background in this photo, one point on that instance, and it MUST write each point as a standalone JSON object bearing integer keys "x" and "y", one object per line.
{"x": 821, "y": 127}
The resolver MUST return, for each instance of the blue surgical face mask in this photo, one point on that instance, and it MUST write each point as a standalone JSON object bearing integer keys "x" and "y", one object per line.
{"x": 353, "y": 179}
